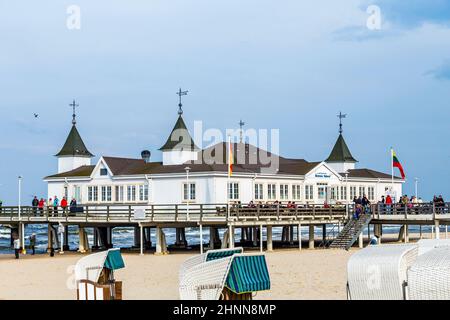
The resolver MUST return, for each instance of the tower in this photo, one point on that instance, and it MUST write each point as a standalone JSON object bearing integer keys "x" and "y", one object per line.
{"x": 74, "y": 153}
{"x": 179, "y": 147}
{"x": 340, "y": 158}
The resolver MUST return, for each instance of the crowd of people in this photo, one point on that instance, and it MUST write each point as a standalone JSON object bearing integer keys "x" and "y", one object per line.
{"x": 52, "y": 206}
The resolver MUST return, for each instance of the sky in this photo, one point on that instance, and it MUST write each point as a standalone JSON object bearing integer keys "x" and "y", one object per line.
{"x": 289, "y": 65}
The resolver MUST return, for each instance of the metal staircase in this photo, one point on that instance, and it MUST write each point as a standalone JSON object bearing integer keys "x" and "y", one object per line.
{"x": 351, "y": 232}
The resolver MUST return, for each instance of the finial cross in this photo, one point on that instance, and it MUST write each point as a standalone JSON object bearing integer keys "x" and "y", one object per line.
{"x": 74, "y": 105}
{"x": 241, "y": 125}
{"x": 181, "y": 93}
{"x": 341, "y": 116}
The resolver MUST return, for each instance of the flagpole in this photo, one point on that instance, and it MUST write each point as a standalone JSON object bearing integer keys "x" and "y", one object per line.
{"x": 228, "y": 177}
{"x": 392, "y": 171}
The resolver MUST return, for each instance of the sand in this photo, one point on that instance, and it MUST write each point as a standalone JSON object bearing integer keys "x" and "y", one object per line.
{"x": 306, "y": 274}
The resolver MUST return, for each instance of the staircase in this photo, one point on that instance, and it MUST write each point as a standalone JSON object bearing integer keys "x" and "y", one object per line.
{"x": 351, "y": 232}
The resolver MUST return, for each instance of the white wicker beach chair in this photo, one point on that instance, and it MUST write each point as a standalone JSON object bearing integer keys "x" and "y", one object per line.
{"x": 429, "y": 276}
{"x": 206, "y": 280}
{"x": 380, "y": 272}
{"x": 426, "y": 245}
{"x": 196, "y": 260}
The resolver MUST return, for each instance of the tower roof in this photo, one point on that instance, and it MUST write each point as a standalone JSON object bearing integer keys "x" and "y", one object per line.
{"x": 179, "y": 138}
{"x": 341, "y": 152}
{"x": 74, "y": 145}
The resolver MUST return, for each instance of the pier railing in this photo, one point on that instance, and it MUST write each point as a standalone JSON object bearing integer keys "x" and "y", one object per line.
{"x": 433, "y": 210}
{"x": 173, "y": 213}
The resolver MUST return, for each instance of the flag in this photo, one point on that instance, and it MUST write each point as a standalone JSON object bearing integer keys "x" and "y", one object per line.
{"x": 397, "y": 164}
{"x": 230, "y": 158}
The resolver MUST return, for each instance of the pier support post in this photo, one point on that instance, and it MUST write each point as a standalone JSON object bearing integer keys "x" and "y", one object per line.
{"x": 141, "y": 233}
{"x": 158, "y": 240}
{"x": 49, "y": 237}
{"x": 65, "y": 246}
{"x": 311, "y": 236}
{"x": 406, "y": 233}
{"x": 361, "y": 240}
{"x": 22, "y": 235}
{"x": 299, "y": 236}
{"x": 261, "y": 238}
{"x": 212, "y": 238}
{"x": 201, "y": 239}
{"x": 324, "y": 233}
{"x": 83, "y": 244}
{"x": 255, "y": 236}
{"x": 269, "y": 238}
{"x": 137, "y": 237}
{"x": 437, "y": 232}
{"x": 109, "y": 237}
{"x": 231, "y": 236}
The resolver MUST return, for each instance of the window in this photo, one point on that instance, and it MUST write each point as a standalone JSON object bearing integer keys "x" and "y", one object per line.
{"x": 362, "y": 191}
{"x": 284, "y": 191}
{"x": 296, "y": 192}
{"x": 334, "y": 196}
{"x": 233, "y": 191}
{"x": 371, "y": 193}
{"x": 190, "y": 191}
{"x": 352, "y": 192}
{"x": 309, "y": 192}
{"x": 119, "y": 193}
{"x": 131, "y": 193}
{"x": 109, "y": 193}
{"x": 271, "y": 191}
{"x": 103, "y": 172}
{"x": 77, "y": 193}
{"x": 143, "y": 192}
{"x": 93, "y": 193}
{"x": 321, "y": 190}
{"x": 103, "y": 193}
{"x": 259, "y": 195}
{"x": 343, "y": 193}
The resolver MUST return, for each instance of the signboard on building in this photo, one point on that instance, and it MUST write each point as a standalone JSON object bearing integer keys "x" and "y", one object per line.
{"x": 139, "y": 214}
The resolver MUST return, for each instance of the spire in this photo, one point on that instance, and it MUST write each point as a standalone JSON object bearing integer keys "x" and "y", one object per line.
{"x": 74, "y": 145}
{"x": 180, "y": 137}
{"x": 341, "y": 152}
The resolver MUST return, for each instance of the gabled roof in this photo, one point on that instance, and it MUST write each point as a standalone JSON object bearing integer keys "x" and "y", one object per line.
{"x": 74, "y": 145}
{"x": 341, "y": 152}
{"x": 368, "y": 173}
{"x": 179, "y": 138}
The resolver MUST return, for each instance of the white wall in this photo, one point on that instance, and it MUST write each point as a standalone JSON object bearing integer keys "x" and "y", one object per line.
{"x": 70, "y": 163}
{"x": 341, "y": 167}
{"x": 177, "y": 157}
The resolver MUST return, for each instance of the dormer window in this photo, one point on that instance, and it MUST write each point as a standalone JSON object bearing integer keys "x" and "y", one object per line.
{"x": 103, "y": 172}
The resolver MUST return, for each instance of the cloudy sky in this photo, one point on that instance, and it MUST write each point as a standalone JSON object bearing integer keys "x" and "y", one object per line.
{"x": 289, "y": 65}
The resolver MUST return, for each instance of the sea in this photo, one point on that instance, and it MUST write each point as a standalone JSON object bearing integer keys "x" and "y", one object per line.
{"x": 123, "y": 237}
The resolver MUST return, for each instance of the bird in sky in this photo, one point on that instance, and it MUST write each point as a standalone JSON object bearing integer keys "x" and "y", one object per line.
{"x": 36, "y": 115}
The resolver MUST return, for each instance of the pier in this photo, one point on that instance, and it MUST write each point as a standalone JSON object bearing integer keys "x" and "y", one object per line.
{"x": 251, "y": 220}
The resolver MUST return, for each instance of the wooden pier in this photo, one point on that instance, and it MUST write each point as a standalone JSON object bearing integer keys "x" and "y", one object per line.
{"x": 252, "y": 221}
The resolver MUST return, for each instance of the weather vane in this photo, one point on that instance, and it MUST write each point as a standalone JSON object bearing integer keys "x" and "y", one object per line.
{"x": 341, "y": 116}
{"x": 241, "y": 125}
{"x": 181, "y": 93}
{"x": 73, "y": 105}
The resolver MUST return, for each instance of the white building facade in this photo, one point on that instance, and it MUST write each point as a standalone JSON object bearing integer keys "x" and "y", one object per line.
{"x": 185, "y": 175}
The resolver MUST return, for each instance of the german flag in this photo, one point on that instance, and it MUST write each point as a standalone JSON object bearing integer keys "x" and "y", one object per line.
{"x": 396, "y": 164}
{"x": 230, "y": 158}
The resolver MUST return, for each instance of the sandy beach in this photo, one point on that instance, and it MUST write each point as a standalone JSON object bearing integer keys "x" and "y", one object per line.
{"x": 305, "y": 274}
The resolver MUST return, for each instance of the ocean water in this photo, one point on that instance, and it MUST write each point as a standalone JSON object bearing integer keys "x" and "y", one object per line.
{"x": 123, "y": 237}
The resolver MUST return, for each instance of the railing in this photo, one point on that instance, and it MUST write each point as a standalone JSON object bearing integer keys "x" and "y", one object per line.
{"x": 432, "y": 209}
{"x": 173, "y": 213}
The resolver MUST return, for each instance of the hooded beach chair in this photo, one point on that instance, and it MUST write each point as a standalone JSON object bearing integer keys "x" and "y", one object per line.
{"x": 234, "y": 277}
{"x": 94, "y": 275}
{"x": 207, "y": 256}
{"x": 426, "y": 245}
{"x": 380, "y": 272}
{"x": 429, "y": 276}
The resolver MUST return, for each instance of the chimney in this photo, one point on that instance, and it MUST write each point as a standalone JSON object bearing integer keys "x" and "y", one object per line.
{"x": 146, "y": 155}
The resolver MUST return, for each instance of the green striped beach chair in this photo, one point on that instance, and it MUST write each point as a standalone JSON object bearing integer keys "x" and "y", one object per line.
{"x": 208, "y": 256}
{"x": 239, "y": 274}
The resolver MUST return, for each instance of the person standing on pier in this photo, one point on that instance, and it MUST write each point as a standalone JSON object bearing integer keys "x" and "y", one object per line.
{"x": 49, "y": 206}
{"x": 35, "y": 204}
{"x": 41, "y": 206}
{"x": 388, "y": 203}
{"x": 64, "y": 205}
{"x": 55, "y": 205}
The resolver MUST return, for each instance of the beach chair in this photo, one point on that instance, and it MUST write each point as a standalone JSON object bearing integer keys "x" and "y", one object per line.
{"x": 429, "y": 276}
{"x": 208, "y": 256}
{"x": 426, "y": 245}
{"x": 380, "y": 272}
{"x": 94, "y": 276}
{"x": 234, "y": 277}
